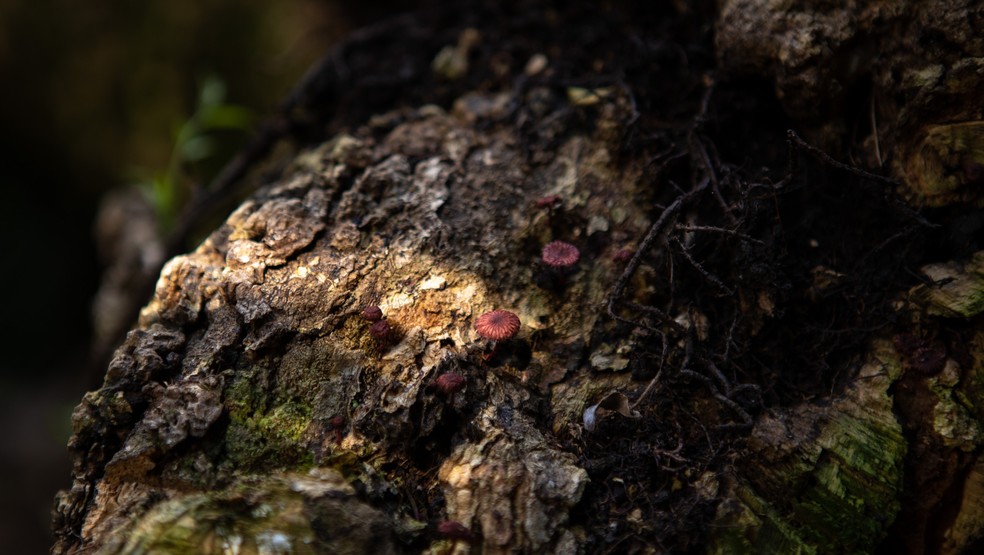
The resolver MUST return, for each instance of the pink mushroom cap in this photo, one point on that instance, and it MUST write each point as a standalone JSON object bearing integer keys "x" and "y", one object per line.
{"x": 560, "y": 254}
{"x": 497, "y": 325}
{"x": 449, "y": 383}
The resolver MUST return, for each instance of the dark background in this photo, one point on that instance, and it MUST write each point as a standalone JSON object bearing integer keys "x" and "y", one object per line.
{"x": 91, "y": 94}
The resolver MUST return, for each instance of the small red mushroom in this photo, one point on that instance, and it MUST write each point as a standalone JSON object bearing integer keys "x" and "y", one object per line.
{"x": 380, "y": 330}
{"x": 454, "y": 531}
{"x": 497, "y": 325}
{"x": 372, "y": 313}
{"x": 449, "y": 383}
{"x": 623, "y": 255}
{"x": 559, "y": 254}
{"x": 929, "y": 359}
{"x": 337, "y": 424}
{"x": 973, "y": 172}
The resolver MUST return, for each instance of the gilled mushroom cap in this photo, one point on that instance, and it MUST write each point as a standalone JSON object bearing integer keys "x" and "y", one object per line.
{"x": 560, "y": 254}
{"x": 497, "y": 325}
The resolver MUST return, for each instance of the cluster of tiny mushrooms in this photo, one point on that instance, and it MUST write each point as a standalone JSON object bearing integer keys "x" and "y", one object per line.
{"x": 496, "y": 326}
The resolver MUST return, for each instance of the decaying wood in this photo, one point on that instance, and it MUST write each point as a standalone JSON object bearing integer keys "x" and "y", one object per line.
{"x": 656, "y": 398}
{"x": 259, "y": 332}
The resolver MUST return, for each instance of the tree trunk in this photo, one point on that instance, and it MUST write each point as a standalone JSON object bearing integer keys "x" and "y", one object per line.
{"x": 742, "y": 359}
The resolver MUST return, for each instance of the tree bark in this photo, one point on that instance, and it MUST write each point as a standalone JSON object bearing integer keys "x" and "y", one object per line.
{"x": 741, "y": 360}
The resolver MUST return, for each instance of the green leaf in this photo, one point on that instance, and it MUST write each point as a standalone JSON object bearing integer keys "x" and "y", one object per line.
{"x": 213, "y": 92}
{"x": 197, "y": 148}
{"x": 226, "y": 116}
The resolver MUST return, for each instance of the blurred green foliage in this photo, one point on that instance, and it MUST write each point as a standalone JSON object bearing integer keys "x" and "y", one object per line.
{"x": 98, "y": 84}
{"x": 196, "y": 141}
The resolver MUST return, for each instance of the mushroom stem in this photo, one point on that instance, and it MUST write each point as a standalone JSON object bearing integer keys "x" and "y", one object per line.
{"x": 497, "y": 326}
{"x": 493, "y": 352}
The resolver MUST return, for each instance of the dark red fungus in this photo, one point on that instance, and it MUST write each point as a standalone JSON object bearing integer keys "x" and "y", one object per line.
{"x": 337, "y": 423}
{"x": 559, "y": 254}
{"x": 623, "y": 255}
{"x": 907, "y": 343}
{"x": 372, "y": 313}
{"x": 928, "y": 360}
{"x": 497, "y": 325}
{"x": 973, "y": 172}
{"x": 380, "y": 330}
{"x": 454, "y": 530}
{"x": 449, "y": 383}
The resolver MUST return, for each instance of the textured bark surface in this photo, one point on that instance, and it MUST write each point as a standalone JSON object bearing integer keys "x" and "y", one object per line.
{"x": 255, "y": 342}
{"x": 910, "y": 69}
{"x": 734, "y": 365}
